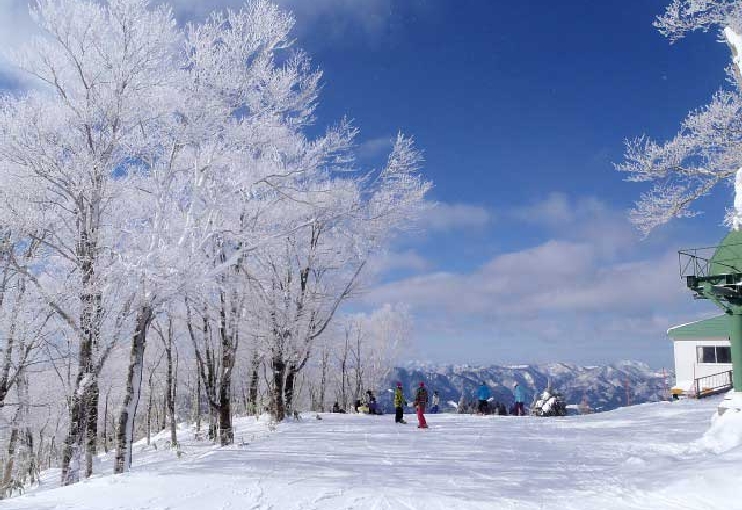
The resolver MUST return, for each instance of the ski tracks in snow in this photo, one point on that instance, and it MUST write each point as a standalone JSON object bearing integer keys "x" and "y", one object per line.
{"x": 634, "y": 458}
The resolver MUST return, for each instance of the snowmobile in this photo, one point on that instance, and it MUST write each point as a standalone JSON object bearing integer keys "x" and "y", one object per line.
{"x": 550, "y": 404}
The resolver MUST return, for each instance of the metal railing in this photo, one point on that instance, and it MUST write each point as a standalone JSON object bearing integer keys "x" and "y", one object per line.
{"x": 712, "y": 384}
{"x": 697, "y": 261}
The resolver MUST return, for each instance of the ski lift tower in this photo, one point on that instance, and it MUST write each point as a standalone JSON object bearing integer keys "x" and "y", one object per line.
{"x": 715, "y": 274}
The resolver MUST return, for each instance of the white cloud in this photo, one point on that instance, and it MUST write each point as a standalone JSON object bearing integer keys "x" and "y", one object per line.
{"x": 574, "y": 297}
{"x": 580, "y": 218}
{"x": 553, "y": 277}
{"x": 442, "y": 216}
{"x": 336, "y": 20}
{"x": 14, "y": 21}
{"x": 558, "y": 210}
{"x": 15, "y": 27}
{"x": 408, "y": 260}
{"x": 374, "y": 148}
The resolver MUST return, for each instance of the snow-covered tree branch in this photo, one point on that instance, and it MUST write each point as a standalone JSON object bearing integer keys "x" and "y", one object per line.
{"x": 706, "y": 151}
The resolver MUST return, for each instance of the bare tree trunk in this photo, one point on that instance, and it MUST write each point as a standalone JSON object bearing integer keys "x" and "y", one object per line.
{"x": 40, "y": 452}
{"x": 149, "y": 414}
{"x": 344, "y": 372}
{"x": 279, "y": 371}
{"x": 289, "y": 388}
{"x": 323, "y": 380}
{"x": 125, "y": 433}
{"x": 358, "y": 368}
{"x": 163, "y": 416}
{"x": 212, "y": 424}
{"x": 70, "y": 449}
{"x": 218, "y": 389}
{"x": 113, "y": 430}
{"x": 20, "y": 458}
{"x": 30, "y": 459}
{"x": 254, "y": 381}
{"x": 229, "y": 340}
{"x": 91, "y": 397}
{"x": 170, "y": 391}
{"x": 9, "y": 464}
{"x": 89, "y": 316}
{"x": 226, "y": 434}
{"x": 210, "y": 387}
{"x": 198, "y": 402}
{"x": 173, "y": 394}
{"x": 105, "y": 422}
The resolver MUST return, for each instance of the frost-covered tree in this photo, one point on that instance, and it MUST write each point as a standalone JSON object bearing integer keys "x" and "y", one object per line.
{"x": 306, "y": 275}
{"x": 162, "y": 178}
{"x": 707, "y": 151}
{"x": 359, "y": 353}
{"x": 61, "y": 149}
{"x": 388, "y": 334}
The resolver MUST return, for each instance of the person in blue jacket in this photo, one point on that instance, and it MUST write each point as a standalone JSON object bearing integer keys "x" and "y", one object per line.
{"x": 519, "y": 400}
{"x": 483, "y": 394}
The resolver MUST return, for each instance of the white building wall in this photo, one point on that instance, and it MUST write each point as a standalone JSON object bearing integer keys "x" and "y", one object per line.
{"x": 687, "y": 367}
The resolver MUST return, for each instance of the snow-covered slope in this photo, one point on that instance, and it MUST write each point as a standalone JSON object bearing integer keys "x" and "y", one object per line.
{"x": 604, "y": 387}
{"x": 651, "y": 456}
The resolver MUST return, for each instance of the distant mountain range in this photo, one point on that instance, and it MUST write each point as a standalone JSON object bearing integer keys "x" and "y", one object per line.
{"x": 602, "y": 387}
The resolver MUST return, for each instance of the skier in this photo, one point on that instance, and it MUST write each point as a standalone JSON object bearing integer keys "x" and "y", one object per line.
{"x": 371, "y": 402}
{"x": 519, "y": 399}
{"x": 421, "y": 401}
{"x": 483, "y": 393}
{"x": 436, "y": 403}
{"x": 399, "y": 404}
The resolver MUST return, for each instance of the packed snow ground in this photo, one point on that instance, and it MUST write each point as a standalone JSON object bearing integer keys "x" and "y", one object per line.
{"x": 652, "y": 456}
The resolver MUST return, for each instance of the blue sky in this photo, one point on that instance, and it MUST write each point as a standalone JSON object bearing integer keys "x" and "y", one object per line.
{"x": 521, "y": 108}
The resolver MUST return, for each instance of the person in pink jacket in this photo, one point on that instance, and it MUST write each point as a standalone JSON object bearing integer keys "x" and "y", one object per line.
{"x": 421, "y": 401}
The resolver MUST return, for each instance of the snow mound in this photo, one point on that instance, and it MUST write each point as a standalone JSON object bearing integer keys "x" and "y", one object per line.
{"x": 725, "y": 433}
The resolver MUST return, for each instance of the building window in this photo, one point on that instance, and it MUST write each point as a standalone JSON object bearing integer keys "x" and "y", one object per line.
{"x": 714, "y": 354}
{"x": 723, "y": 354}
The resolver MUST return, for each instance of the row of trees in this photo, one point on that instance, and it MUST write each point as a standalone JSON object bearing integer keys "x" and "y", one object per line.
{"x": 161, "y": 180}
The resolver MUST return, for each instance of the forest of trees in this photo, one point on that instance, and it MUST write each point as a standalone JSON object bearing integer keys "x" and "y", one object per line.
{"x": 174, "y": 244}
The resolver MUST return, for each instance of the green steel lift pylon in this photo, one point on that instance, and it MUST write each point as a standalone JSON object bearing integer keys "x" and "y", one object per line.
{"x": 718, "y": 278}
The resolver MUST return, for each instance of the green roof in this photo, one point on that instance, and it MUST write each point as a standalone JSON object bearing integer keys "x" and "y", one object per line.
{"x": 728, "y": 256}
{"x": 715, "y": 327}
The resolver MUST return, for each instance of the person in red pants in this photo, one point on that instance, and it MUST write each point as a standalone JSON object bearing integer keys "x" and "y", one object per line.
{"x": 421, "y": 401}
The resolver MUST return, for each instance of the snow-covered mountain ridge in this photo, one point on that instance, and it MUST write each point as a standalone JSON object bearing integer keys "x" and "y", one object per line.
{"x": 604, "y": 387}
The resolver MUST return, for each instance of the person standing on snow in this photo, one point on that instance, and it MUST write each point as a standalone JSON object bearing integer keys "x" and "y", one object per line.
{"x": 371, "y": 402}
{"x": 399, "y": 404}
{"x": 483, "y": 394}
{"x": 519, "y": 399}
{"x": 436, "y": 403}
{"x": 421, "y": 401}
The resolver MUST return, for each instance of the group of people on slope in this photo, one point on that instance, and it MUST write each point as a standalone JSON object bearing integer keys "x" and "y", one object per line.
{"x": 420, "y": 403}
{"x": 484, "y": 396}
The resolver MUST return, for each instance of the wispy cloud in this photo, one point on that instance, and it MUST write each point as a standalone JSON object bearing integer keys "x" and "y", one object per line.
{"x": 558, "y": 210}
{"x": 408, "y": 261}
{"x": 584, "y": 294}
{"x": 15, "y": 27}
{"x": 339, "y": 21}
{"x": 446, "y": 217}
{"x": 374, "y": 148}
